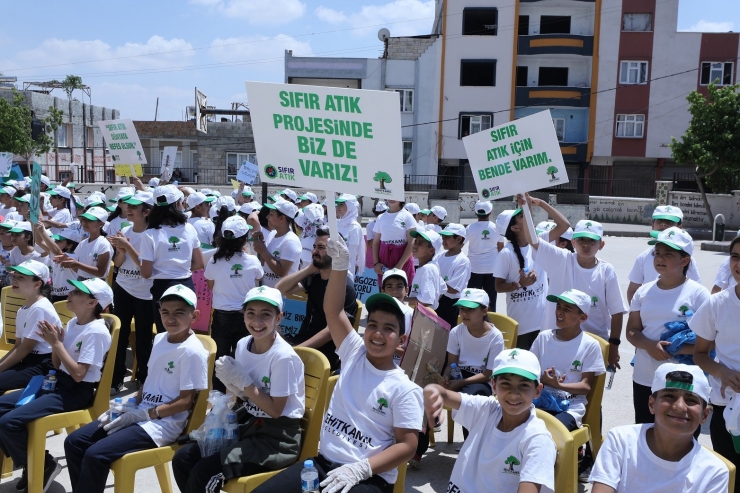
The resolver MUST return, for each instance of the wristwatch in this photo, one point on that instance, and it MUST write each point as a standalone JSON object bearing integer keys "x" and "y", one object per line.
{"x": 614, "y": 340}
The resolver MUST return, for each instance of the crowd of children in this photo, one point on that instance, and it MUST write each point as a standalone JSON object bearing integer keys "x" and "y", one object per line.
{"x": 137, "y": 258}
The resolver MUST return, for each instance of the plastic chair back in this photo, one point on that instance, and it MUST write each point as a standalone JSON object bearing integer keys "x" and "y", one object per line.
{"x": 592, "y": 418}
{"x": 65, "y": 315}
{"x": 198, "y": 412}
{"x": 316, "y": 370}
{"x": 11, "y": 302}
{"x": 730, "y": 466}
{"x": 508, "y": 327}
{"x": 109, "y": 277}
{"x": 566, "y": 467}
{"x": 356, "y": 324}
{"x": 101, "y": 403}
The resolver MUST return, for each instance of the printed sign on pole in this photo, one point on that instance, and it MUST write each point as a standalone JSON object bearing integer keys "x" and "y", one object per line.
{"x": 516, "y": 157}
{"x": 124, "y": 146}
{"x": 34, "y": 202}
{"x": 6, "y": 161}
{"x": 169, "y": 155}
{"x": 247, "y": 172}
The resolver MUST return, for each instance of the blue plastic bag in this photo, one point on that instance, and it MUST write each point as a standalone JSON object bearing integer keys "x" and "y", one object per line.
{"x": 32, "y": 390}
{"x": 549, "y": 402}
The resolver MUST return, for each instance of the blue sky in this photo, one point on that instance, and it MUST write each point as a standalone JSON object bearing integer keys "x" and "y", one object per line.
{"x": 132, "y": 52}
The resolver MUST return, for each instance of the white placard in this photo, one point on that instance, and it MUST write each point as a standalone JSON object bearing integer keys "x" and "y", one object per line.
{"x": 247, "y": 172}
{"x": 125, "y": 148}
{"x": 6, "y": 162}
{"x": 326, "y": 138}
{"x": 169, "y": 155}
{"x": 516, "y": 157}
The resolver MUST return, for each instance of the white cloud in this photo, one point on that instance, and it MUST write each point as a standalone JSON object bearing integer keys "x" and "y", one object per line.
{"x": 704, "y": 26}
{"x": 257, "y": 12}
{"x": 398, "y": 14}
{"x": 257, "y": 50}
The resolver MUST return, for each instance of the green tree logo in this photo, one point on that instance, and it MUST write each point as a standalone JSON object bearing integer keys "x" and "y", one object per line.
{"x": 594, "y": 300}
{"x": 237, "y": 268}
{"x": 382, "y": 402}
{"x": 415, "y": 287}
{"x": 551, "y": 171}
{"x": 171, "y": 365}
{"x": 382, "y": 177}
{"x": 276, "y": 254}
{"x": 266, "y": 382}
{"x": 174, "y": 240}
{"x": 467, "y": 292}
{"x": 513, "y": 355}
{"x": 79, "y": 346}
{"x": 446, "y": 278}
{"x": 576, "y": 365}
{"x": 485, "y": 234}
{"x": 403, "y": 223}
{"x": 683, "y": 310}
{"x": 671, "y": 233}
{"x": 512, "y": 461}
{"x": 588, "y": 225}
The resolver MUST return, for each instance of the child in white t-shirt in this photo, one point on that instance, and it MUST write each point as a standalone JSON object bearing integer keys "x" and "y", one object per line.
{"x": 392, "y": 241}
{"x": 267, "y": 375}
{"x": 723, "y": 279}
{"x": 280, "y": 254}
{"x": 663, "y": 457}
{"x": 375, "y": 413}
{"x": 310, "y": 219}
{"x": 509, "y": 448}
{"x": 433, "y": 218}
{"x": 347, "y": 214}
{"x": 380, "y": 208}
{"x": 395, "y": 284}
{"x": 94, "y": 252}
{"x": 428, "y": 285}
{"x": 64, "y": 242}
{"x": 199, "y": 206}
{"x": 570, "y": 358}
{"x": 21, "y": 236}
{"x": 715, "y": 324}
{"x": 673, "y": 297}
{"x": 231, "y": 273}
{"x": 178, "y": 370}
{"x": 454, "y": 267}
{"x": 484, "y": 243}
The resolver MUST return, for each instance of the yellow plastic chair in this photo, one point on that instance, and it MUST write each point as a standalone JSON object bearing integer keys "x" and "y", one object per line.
{"x": 72, "y": 420}
{"x": 566, "y": 463}
{"x": 730, "y": 466}
{"x": 11, "y": 302}
{"x": 109, "y": 278}
{"x": 316, "y": 375}
{"x": 399, "y": 486}
{"x": 65, "y": 314}
{"x": 356, "y": 324}
{"x": 124, "y": 469}
{"x": 591, "y": 429}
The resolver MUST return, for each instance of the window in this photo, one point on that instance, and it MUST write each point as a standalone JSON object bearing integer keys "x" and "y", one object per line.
{"x": 478, "y": 72}
{"x": 473, "y": 123}
{"x": 555, "y": 24}
{"x": 408, "y": 147}
{"x": 523, "y": 25}
{"x": 62, "y": 175}
{"x": 90, "y": 136}
{"x": 91, "y": 176}
{"x": 64, "y": 135}
{"x": 234, "y": 161}
{"x": 110, "y": 176}
{"x": 637, "y": 22}
{"x": 480, "y": 21}
{"x": 521, "y": 76}
{"x": 630, "y": 126}
{"x": 633, "y": 72}
{"x": 559, "y": 128}
{"x": 717, "y": 72}
{"x": 407, "y": 99}
{"x": 553, "y": 76}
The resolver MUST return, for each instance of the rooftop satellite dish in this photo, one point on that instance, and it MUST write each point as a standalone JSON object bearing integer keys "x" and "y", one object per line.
{"x": 384, "y": 34}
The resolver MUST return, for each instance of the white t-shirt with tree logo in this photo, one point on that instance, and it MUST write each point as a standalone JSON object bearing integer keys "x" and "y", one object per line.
{"x": 475, "y": 354}
{"x": 287, "y": 247}
{"x": 482, "y": 239}
{"x": 170, "y": 249}
{"x": 428, "y": 285}
{"x": 87, "y": 344}
{"x": 232, "y": 279}
{"x": 493, "y": 460}
{"x": 455, "y": 272}
{"x": 88, "y": 251}
{"x": 277, "y": 373}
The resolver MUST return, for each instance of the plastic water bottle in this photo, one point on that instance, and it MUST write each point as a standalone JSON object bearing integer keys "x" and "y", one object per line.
{"x": 130, "y": 405}
{"x": 231, "y": 432}
{"x": 50, "y": 381}
{"x": 309, "y": 478}
{"x": 455, "y": 373}
{"x": 116, "y": 409}
{"x": 610, "y": 377}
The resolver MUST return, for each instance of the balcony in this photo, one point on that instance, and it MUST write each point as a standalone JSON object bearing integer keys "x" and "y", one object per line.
{"x": 573, "y": 152}
{"x": 578, "y": 97}
{"x": 558, "y": 44}
{"x": 533, "y": 1}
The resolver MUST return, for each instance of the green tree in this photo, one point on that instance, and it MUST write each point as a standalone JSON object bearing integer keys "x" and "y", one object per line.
{"x": 594, "y": 300}
{"x": 70, "y": 84}
{"x": 236, "y": 268}
{"x": 382, "y": 177}
{"x": 576, "y": 364}
{"x": 551, "y": 171}
{"x": 512, "y": 461}
{"x": 415, "y": 287}
{"x": 711, "y": 144}
{"x": 485, "y": 233}
{"x": 683, "y": 310}
{"x": 174, "y": 240}
{"x": 382, "y": 402}
{"x": 15, "y": 128}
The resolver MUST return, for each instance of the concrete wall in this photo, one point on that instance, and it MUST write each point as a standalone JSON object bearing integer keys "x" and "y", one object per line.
{"x": 611, "y": 26}
{"x": 695, "y": 215}
{"x": 621, "y": 210}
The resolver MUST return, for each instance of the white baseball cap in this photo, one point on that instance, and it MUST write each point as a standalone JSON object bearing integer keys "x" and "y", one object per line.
{"x": 669, "y": 213}
{"x": 60, "y": 191}
{"x": 247, "y": 191}
{"x": 454, "y": 229}
{"x": 699, "y": 384}
{"x": 94, "y": 199}
{"x": 166, "y": 195}
{"x": 412, "y": 208}
{"x": 483, "y": 207}
{"x": 8, "y": 190}
{"x": 473, "y": 298}
{"x": 266, "y": 294}
{"x": 519, "y": 362}
{"x": 197, "y": 198}
{"x": 309, "y": 196}
{"x": 287, "y": 208}
{"x": 22, "y": 226}
{"x": 395, "y": 272}
{"x": 545, "y": 226}
{"x": 588, "y": 229}
{"x": 206, "y": 191}
{"x": 314, "y": 213}
{"x": 141, "y": 198}
{"x": 96, "y": 214}
{"x": 392, "y": 302}
{"x": 123, "y": 194}
{"x": 183, "y": 292}
{"x": 32, "y": 268}
{"x": 381, "y": 206}
{"x": 249, "y": 208}
{"x": 45, "y": 180}
{"x": 95, "y": 287}
{"x": 676, "y": 238}
{"x": 568, "y": 234}
{"x": 431, "y": 236}
{"x": 154, "y": 182}
{"x": 574, "y": 297}
{"x": 503, "y": 220}
{"x": 290, "y": 194}
{"x": 225, "y": 201}
{"x": 439, "y": 211}
{"x": 235, "y": 226}
{"x": 68, "y": 234}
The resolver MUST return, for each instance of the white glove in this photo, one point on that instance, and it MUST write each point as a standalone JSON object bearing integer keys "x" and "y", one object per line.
{"x": 232, "y": 374}
{"x": 104, "y": 418}
{"x": 337, "y": 250}
{"x": 342, "y": 479}
{"x": 127, "y": 419}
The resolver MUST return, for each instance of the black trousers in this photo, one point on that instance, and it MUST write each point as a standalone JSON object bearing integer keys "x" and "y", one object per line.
{"x": 227, "y": 328}
{"x": 525, "y": 341}
{"x": 159, "y": 286}
{"x": 447, "y": 310}
{"x": 722, "y": 440}
{"x": 290, "y": 479}
{"x": 197, "y": 474}
{"x": 19, "y": 375}
{"x": 126, "y": 308}
{"x": 487, "y": 283}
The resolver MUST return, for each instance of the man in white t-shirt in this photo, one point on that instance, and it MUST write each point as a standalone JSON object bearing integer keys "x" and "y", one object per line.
{"x": 665, "y": 456}
{"x": 484, "y": 243}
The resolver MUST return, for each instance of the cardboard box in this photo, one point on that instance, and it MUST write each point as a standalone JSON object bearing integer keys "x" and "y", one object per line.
{"x": 427, "y": 347}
